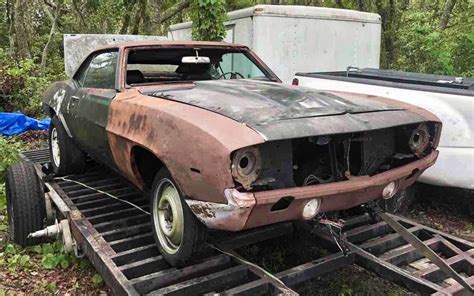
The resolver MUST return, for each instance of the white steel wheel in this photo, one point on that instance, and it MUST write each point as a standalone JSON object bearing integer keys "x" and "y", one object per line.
{"x": 168, "y": 216}
{"x": 55, "y": 151}
{"x": 178, "y": 233}
{"x": 66, "y": 158}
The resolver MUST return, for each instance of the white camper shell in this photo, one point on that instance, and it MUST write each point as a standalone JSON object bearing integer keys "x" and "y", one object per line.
{"x": 293, "y": 39}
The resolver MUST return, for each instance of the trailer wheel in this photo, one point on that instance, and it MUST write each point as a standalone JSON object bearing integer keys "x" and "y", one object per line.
{"x": 25, "y": 203}
{"x": 178, "y": 233}
{"x": 400, "y": 202}
{"x": 66, "y": 158}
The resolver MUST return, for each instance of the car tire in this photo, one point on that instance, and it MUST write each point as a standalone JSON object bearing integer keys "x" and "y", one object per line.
{"x": 26, "y": 206}
{"x": 178, "y": 233}
{"x": 400, "y": 202}
{"x": 66, "y": 157}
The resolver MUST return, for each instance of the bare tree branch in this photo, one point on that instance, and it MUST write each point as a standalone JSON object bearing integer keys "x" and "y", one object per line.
{"x": 172, "y": 11}
{"x": 54, "y": 24}
{"x": 52, "y": 5}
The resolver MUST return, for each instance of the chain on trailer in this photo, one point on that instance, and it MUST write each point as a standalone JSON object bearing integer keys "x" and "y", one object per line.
{"x": 110, "y": 224}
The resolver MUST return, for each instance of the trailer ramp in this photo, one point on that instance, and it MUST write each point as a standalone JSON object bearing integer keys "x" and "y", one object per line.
{"x": 117, "y": 238}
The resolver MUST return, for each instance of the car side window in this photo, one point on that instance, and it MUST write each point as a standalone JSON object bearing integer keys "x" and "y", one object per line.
{"x": 82, "y": 71}
{"x": 100, "y": 73}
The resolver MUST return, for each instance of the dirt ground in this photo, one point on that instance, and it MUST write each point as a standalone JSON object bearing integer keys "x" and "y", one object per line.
{"x": 24, "y": 271}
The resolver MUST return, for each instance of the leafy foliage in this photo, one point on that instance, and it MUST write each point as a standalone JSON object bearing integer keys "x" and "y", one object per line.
{"x": 423, "y": 47}
{"x": 10, "y": 150}
{"x": 97, "y": 280}
{"x": 21, "y": 88}
{"x": 208, "y": 19}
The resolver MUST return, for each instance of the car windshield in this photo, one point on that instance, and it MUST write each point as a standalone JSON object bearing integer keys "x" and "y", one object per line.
{"x": 165, "y": 65}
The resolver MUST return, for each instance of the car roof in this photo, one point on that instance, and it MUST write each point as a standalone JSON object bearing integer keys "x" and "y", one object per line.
{"x": 166, "y": 43}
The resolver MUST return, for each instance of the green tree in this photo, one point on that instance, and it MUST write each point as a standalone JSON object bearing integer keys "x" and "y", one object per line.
{"x": 208, "y": 18}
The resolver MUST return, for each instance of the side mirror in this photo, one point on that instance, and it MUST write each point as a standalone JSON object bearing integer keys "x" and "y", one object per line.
{"x": 195, "y": 60}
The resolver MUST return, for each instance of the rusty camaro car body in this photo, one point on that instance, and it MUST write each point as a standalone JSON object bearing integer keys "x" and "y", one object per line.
{"x": 243, "y": 149}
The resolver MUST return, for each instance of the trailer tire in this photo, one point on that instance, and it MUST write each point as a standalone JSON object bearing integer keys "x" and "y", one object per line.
{"x": 400, "y": 202}
{"x": 66, "y": 157}
{"x": 180, "y": 236}
{"x": 25, "y": 203}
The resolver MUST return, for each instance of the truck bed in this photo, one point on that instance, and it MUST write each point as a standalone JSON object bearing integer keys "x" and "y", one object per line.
{"x": 399, "y": 79}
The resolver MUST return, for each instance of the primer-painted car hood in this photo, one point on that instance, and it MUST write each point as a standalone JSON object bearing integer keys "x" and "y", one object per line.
{"x": 263, "y": 106}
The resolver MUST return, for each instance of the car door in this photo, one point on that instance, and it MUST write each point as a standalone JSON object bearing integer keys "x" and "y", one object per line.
{"x": 88, "y": 108}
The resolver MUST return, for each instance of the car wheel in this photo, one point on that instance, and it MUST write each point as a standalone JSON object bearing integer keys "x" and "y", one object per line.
{"x": 400, "y": 202}
{"x": 66, "y": 158}
{"x": 25, "y": 203}
{"x": 178, "y": 233}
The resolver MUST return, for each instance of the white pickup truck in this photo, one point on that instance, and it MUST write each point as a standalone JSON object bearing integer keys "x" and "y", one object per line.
{"x": 449, "y": 98}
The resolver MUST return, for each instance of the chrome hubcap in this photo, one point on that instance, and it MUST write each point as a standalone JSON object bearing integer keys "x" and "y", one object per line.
{"x": 55, "y": 147}
{"x": 168, "y": 216}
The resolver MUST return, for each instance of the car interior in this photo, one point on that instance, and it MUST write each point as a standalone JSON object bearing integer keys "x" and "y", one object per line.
{"x": 166, "y": 65}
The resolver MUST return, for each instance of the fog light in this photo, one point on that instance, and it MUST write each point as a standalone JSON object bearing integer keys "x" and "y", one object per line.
{"x": 390, "y": 190}
{"x": 311, "y": 208}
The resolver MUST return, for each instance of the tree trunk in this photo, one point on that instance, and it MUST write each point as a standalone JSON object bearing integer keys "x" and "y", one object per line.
{"x": 275, "y": 2}
{"x": 21, "y": 23}
{"x": 9, "y": 6}
{"x": 137, "y": 19}
{"x": 388, "y": 26}
{"x": 446, "y": 14}
{"x": 54, "y": 24}
{"x": 361, "y": 5}
{"x": 146, "y": 18}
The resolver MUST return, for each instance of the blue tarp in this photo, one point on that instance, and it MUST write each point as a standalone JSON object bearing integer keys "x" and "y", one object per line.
{"x": 17, "y": 123}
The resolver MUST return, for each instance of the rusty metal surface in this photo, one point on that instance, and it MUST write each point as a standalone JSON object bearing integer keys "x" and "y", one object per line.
{"x": 182, "y": 137}
{"x": 170, "y": 43}
{"x": 280, "y": 112}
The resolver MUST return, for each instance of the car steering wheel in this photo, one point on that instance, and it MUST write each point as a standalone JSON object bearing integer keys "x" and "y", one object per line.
{"x": 235, "y": 73}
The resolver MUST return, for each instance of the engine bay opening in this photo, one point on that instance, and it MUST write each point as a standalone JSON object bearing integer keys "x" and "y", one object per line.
{"x": 331, "y": 158}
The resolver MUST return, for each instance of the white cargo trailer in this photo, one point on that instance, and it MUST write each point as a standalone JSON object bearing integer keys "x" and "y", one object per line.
{"x": 293, "y": 39}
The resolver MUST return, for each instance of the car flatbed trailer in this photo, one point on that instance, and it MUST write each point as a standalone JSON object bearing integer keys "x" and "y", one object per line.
{"x": 117, "y": 239}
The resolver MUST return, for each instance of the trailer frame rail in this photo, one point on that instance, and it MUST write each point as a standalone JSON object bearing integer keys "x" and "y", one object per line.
{"x": 117, "y": 239}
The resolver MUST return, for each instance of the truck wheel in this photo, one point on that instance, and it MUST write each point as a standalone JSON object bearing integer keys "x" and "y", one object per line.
{"x": 178, "y": 233}
{"x": 400, "y": 202}
{"x": 25, "y": 203}
{"x": 66, "y": 158}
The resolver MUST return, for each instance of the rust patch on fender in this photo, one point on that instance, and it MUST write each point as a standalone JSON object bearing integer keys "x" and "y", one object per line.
{"x": 203, "y": 211}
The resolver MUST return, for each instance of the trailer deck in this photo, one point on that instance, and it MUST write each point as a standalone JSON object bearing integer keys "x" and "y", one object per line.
{"x": 117, "y": 238}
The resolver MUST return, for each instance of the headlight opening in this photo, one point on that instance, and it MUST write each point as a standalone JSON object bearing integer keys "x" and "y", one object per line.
{"x": 246, "y": 166}
{"x": 419, "y": 139}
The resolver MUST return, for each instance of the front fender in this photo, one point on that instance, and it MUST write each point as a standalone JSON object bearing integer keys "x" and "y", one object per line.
{"x": 193, "y": 143}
